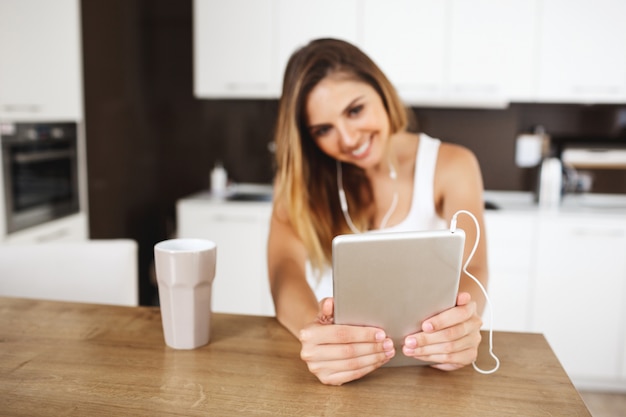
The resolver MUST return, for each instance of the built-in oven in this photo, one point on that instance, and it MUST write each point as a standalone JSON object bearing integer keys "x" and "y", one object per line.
{"x": 40, "y": 171}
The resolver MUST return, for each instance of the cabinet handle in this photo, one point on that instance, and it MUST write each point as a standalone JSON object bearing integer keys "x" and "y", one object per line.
{"x": 55, "y": 235}
{"x": 21, "y": 108}
{"x": 246, "y": 87}
{"x": 490, "y": 89}
{"x": 606, "y": 233}
{"x": 609, "y": 90}
{"x": 423, "y": 88}
{"x": 25, "y": 158}
{"x": 232, "y": 219}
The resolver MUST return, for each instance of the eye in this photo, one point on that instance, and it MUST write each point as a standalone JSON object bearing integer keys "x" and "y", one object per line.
{"x": 319, "y": 131}
{"x": 355, "y": 110}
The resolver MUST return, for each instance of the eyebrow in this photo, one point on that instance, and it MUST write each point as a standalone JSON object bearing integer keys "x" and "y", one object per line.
{"x": 352, "y": 103}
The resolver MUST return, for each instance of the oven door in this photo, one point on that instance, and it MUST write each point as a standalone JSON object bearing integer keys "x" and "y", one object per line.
{"x": 41, "y": 181}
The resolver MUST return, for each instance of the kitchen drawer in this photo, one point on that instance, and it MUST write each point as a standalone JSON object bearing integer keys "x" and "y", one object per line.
{"x": 240, "y": 230}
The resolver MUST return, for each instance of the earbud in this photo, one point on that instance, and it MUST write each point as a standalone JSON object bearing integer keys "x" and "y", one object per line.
{"x": 392, "y": 172}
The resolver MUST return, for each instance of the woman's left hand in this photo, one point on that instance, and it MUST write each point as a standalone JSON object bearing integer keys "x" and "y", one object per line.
{"x": 450, "y": 339}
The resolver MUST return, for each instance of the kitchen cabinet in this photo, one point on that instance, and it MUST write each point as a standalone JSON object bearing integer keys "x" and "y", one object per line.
{"x": 472, "y": 53}
{"x": 414, "y": 57}
{"x": 233, "y": 48}
{"x": 563, "y": 274}
{"x": 40, "y": 65}
{"x": 241, "y": 47}
{"x": 451, "y": 52}
{"x": 511, "y": 239}
{"x": 491, "y": 50}
{"x": 72, "y": 228}
{"x": 580, "y": 291}
{"x": 623, "y": 378}
{"x": 240, "y": 230}
{"x": 299, "y": 21}
{"x": 582, "y": 51}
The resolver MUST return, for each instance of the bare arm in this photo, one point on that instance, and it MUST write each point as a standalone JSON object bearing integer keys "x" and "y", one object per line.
{"x": 459, "y": 186}
{"x": 294, "y": 300}
{"x": 334, "y": 354}
{"x": 451, "y": 338}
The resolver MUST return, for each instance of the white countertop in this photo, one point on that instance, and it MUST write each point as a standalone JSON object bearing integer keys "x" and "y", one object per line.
{"x": 592, "y": 203}
{"x": 571, "y": 203}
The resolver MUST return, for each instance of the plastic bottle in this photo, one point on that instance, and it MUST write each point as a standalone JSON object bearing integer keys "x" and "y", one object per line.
{"x": 219, "y": 179}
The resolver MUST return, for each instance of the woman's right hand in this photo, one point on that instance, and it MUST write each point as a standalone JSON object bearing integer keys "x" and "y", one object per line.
{"x": 337, "y": 354}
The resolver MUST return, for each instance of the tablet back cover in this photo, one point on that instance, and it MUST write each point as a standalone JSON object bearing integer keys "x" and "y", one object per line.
{"x": 396, "y": 280}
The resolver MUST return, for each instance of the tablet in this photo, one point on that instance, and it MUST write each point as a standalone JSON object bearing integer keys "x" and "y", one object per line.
{"x": 396, "y": 280}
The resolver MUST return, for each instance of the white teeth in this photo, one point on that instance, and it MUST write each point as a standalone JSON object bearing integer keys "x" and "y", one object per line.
{"x": 361, "y": 149}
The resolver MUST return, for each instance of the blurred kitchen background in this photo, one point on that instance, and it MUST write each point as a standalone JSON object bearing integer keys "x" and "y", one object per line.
{"x": 151, "y": 141}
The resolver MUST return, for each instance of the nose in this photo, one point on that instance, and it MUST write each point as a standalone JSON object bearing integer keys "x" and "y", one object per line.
{"x": 348, "y": 137}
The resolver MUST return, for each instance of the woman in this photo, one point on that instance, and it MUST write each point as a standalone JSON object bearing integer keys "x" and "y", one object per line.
{"x": 341, "y": 122}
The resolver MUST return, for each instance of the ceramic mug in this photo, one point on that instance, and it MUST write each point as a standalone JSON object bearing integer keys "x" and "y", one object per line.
{"x": 185, "y": 269}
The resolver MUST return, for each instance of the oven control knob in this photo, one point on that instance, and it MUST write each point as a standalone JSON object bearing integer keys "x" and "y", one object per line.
{"x": 56, "y": 133}
{"x": 31, "y": 134}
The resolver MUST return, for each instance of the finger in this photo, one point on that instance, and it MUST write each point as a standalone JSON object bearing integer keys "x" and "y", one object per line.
{"x": 347, "y": 352}
{"x": 326, "y": 311}
{"x": 447, "y": 366}
{"x": 340, "y": 377}
{"x": 450, "y": 361}
{"x": 334, "y": 334}
{"x": 463, "y": 298}
{"x": 450, "y": 317}
{"x": 464, "y": 329}
{"x": 433, "y": 352}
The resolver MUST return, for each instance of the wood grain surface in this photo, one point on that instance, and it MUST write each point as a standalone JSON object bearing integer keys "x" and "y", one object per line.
{"x": 69, "y": 359}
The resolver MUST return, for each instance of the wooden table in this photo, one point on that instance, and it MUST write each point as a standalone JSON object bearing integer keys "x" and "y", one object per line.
{"x": 68, "y": 359}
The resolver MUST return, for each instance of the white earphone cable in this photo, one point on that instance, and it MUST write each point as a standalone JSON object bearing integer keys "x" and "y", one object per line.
{"x": 344, "y": 209}
{"x": 482, "y": 288}
{"x": 344, "y": 202}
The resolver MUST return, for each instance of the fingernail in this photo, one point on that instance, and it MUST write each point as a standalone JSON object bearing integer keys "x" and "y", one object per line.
{"x": 380, "y": 336}
{"x": 410, "y": 342}
{"x": 388, "y": 345}
{"x": 428, "y": 327}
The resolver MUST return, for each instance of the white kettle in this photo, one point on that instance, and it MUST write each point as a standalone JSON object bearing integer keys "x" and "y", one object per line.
{"x": 550, "y": 183}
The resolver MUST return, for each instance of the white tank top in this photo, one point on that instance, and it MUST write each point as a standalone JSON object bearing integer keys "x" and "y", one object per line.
{"x": 422, "y": 214}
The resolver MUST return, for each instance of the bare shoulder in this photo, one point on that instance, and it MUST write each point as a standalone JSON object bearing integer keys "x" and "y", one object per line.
{"x": 456, "y": 160}
{"x": 451, "y": 153}
{"x": 279, "y": 211}
{"x": 279, "y": 206}
{"x": 458, "y": 179}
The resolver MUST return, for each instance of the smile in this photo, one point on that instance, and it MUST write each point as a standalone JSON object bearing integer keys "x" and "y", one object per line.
{"x": 361, "y": 149}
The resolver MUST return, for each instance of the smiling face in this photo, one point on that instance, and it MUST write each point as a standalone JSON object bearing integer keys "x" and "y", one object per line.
{"x": 347, "y": 120}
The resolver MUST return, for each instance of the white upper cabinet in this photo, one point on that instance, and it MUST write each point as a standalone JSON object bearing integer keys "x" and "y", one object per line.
{"x": 477, "y": 52}
{"x": 300, "y": 21}
{"x": 491, "y": 50}
{"x": 582, "y": 51}
{"x": 40, "y": 60}
{"x": 241, "y": 47}
{"x": 407, "y": 39}
{"x": 469, "y": 53}
{"x": 233, "y": 48}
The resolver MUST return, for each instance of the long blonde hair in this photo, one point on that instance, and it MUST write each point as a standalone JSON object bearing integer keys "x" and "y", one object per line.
{"x": 306, "y": 176}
